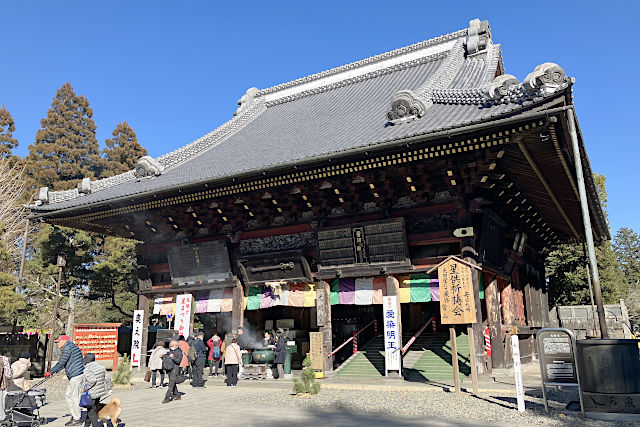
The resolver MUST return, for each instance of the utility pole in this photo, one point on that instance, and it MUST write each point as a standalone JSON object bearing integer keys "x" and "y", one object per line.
{"x": 61, "y": 263}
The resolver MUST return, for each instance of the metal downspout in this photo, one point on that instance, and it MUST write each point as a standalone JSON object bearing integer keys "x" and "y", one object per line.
{"x": 586, "y": 219}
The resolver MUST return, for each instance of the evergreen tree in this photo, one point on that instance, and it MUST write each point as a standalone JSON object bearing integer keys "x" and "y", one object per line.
{"x": 7, "y": 127}
{"x": 122, "y": 151}
{"x": 66, "y": 149}
{"x": 627, "y": 247}
{"x": 566, "y": 268}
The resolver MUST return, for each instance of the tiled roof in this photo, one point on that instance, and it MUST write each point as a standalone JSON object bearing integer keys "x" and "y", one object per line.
{"x": 443, "y": 83}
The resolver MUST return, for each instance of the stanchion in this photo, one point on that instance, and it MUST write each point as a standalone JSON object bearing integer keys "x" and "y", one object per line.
{"x": 433, "y": 324}
{"x": 375, "y": 327}
{"x": 355, "y": 342}
{"x": 487, "y": 341}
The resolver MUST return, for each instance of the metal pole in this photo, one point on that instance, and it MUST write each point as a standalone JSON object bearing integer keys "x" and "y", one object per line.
{"x": 577, "y": 159}
{"x": 593, "y": 304}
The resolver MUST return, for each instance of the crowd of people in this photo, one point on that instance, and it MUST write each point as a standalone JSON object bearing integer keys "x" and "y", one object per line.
{"x": 187, "y": 358}
{"x": 184, "y": 358}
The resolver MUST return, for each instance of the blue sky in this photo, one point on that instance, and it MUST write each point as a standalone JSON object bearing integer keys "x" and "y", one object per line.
{"x": 174, "y": 70}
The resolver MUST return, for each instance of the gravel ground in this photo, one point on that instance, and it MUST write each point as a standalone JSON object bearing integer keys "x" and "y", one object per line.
{"x": 486, "y": 406}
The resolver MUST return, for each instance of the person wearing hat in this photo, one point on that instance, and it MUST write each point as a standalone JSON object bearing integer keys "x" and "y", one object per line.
{"x": 98, "y": 383}
{"x": 71, "y": 361}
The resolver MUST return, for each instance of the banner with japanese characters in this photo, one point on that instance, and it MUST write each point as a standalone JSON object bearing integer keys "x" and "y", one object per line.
{"x": 392, "y": 342}
{"x": 136, "y": 337}
{"x": 457, "y": 303}
{"x": 183, "y": 314}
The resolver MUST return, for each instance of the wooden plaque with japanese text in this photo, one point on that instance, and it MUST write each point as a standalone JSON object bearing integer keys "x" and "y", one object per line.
{"x": 316, "y": 352}
{"x": 457, "y": 303}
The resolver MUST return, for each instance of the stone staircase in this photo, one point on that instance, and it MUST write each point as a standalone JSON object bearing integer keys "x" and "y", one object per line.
{"x": 427, "y": 360}
{"x": 368, "y": 362}
{"x": 433, "y": 364}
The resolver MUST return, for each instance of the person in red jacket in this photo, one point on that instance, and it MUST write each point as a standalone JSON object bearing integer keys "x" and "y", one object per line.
{"x": 184, "y": 346}
{"x": 215, "y": 354}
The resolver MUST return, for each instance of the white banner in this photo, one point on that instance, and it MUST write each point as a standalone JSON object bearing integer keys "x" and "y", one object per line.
{"x": 136, "y": 337}
{"x": 517, "y": 369}
{"x": 392, "y": 342}
{"x": 183, "y": 314}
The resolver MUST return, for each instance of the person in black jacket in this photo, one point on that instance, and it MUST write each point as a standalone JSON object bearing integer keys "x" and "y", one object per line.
{"x": 171, "y": 364}
{"x": 201, "y": 356}
{"x": 281, "y": 354}
{"x": 71, "y": 361}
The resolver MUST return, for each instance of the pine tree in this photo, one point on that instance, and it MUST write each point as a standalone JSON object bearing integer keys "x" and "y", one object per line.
{"x": 7, "y": 127}
{"x": 307, "y": 383}
{"x": 66, "y": 149}
{"x": 122, "y": 151}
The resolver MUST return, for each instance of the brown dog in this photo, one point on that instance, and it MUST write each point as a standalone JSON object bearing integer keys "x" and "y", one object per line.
{"x": 111, "y": 411}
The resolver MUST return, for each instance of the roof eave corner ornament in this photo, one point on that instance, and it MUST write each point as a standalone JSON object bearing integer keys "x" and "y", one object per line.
{"x": 502, "y": 88}
{"x": 478, "y": 36}
{"x": 84, "y": 186}
{"x": 405, "y": 107}
{"x": 247, "y": 100}
{"x": 546, "y": 78}
{"x": 148, "y": 167}
{"x": 43, "y": 196}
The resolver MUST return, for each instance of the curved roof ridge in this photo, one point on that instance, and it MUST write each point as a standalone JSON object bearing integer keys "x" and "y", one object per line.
{"x": 364, "y": 62}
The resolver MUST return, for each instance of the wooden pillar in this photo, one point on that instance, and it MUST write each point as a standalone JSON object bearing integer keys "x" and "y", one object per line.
{"x": 393, "y": 289}
{"x": 143, "y": 304}
{"x": 470, "y": 254}
{"x": 495, "y": 323}
{"x": 237, "y": 315}
{"x": 323, "y": 320}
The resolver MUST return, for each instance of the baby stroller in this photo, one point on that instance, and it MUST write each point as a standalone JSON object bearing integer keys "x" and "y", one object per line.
{"x": 23, "y": 407}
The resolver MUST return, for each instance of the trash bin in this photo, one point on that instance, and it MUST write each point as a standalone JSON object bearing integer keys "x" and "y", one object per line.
{"x": 291, "y": 350}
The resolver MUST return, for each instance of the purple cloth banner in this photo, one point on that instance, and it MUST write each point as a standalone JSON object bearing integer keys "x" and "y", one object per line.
{"x": 202, "y": 301}
{"x": 266, "y": 298}
{"x": 434, "y": 284}
{"x": 347, "y": 291}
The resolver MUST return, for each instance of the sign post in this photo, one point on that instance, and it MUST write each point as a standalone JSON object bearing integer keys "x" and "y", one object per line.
{"x": 183, "y": 314}
{"x": 558, "y": 367}
{"x": 457, "y": 306}
{"x": 517, "y": 370}
{"x": 392, "y": 345}
{"x": 136, "y": 338}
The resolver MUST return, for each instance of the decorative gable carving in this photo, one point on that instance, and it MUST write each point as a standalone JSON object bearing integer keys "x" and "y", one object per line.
{"x": 148, "y": 167}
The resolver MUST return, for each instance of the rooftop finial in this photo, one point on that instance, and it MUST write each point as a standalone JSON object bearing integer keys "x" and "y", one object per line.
{"x": 478, "y": 36}
{"x": 247, "y": 99}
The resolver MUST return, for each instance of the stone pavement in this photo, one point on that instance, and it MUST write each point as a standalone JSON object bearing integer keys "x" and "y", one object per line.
{"x": 220, "y": 404}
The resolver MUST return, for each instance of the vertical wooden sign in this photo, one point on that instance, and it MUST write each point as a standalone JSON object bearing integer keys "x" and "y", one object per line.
{"x": 457, "y": 302}
{"x": 457, "y": 307}
{"x": 316, "y": 350}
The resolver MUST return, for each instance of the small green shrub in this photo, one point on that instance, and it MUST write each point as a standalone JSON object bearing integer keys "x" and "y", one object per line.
{"x": 308, "y": 382}
{"x": 123, "y": 374}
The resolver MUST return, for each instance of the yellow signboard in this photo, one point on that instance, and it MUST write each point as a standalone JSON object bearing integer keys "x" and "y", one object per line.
{"x": 457, "y": 303}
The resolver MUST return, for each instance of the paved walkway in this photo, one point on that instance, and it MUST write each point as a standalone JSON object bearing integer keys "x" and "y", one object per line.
{"x": 231, "y": 406}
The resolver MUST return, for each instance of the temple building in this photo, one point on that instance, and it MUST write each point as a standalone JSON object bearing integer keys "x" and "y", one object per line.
{"x": 324, "y": 194}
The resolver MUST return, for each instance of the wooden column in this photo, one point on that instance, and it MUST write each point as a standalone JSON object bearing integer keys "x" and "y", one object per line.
{"x": 393, "y": 289}
{"x": 470, "y": 254}
{"x": 237, "y": 315}
{"x": 143, "y": 304}
{"x": 494, "y": 322}
{"x": 323, "y": 320}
